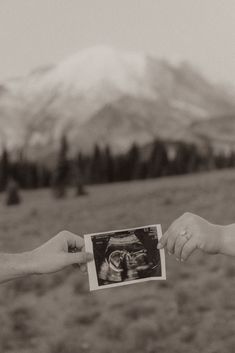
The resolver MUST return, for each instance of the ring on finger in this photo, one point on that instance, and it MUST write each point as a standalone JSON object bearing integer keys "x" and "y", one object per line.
{"x": 184, "y": 233}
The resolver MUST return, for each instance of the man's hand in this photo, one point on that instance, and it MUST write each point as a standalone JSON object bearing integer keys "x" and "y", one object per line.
{"x": 190, "y": 232}
{"x": 58, "y": 253}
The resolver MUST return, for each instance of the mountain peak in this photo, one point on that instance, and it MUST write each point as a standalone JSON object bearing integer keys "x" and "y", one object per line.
{"x": 104, "y": 65}
{"x": 146, "y": 98}
{"x": 106, "y": 54}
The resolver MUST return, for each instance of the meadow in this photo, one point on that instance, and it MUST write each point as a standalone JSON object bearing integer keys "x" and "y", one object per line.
{"x": 192, "y": 311}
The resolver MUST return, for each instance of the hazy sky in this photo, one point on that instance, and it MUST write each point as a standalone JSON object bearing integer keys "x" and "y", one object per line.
{"x": 38, "y": 32}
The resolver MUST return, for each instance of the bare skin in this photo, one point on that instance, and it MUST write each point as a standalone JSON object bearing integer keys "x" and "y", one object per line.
{"x": 191, "y": 232}
{"x": 52, "y": 256}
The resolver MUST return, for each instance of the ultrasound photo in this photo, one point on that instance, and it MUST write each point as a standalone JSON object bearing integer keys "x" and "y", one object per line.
{"x": 125, "y": 256}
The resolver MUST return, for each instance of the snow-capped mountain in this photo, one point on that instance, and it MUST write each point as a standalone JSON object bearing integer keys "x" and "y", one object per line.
{"x": 107, "y": 96}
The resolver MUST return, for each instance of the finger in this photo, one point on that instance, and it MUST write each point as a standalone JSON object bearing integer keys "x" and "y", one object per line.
{"x": 79, "y": 258}
{"x": 79, "y": 242}
{"x": 83, "y": 268}
{"x": 74, "y": 240}
{"x": 188, "y": 249}
{"x": 179, "y": 226}
{"x": 171, "y": 243}
{"x": 162, "y": 242}
{"x": 179, "y": 244}
{"x": 164, "y": 239}
{"x": 173, "y": 233}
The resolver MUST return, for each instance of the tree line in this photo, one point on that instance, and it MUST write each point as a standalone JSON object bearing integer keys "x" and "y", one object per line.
{"x": 159, "y": 159}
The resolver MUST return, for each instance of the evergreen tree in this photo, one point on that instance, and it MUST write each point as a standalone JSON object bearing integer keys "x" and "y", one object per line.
{"x": 158, "y": 162}
{"x": 207, "y": 161}
{"x": 61, "y": 174}
{"x": 188, "y": 159}
{"x": 193, "y": 156}
{"x": 4, "y": 170}
{"x": 223, "y": 160}
{"x": 79, "y": 175}
{"x": 96, "y": 166}
{"x": 143, "y": 172}
{"x": 80, "y": 185}
{"x": 109, "y": 167}
{"x": 13, "y": 196}
{"x": 133, "y": 163}
{"x": 180, "y": 163}
{"x": 120, "y": 168}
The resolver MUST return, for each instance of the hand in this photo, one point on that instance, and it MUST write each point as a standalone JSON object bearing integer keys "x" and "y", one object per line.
{"x": 190, "y": 232}
{"x": 55, "y": 254}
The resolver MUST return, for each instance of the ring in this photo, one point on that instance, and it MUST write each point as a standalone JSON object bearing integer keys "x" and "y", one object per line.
{"x": 185, "y": 234}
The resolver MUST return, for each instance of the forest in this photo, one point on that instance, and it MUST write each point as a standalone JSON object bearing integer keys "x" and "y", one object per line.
{"x": 160, "y": 159}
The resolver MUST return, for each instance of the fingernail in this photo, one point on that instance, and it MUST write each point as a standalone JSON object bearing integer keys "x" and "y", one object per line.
{"x": 177, "y": 259}
{"x": 182, "y": 260}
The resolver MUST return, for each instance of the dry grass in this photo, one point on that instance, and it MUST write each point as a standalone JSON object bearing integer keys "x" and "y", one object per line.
{"x": 192, "y": 311}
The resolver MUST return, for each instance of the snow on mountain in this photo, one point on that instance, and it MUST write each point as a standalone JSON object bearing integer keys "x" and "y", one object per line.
{"x": 90, "y": 68}
{"x": 104, "y": 95}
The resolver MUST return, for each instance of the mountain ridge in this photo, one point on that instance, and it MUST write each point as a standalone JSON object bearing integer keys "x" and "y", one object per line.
{"x": 104, "y": 95}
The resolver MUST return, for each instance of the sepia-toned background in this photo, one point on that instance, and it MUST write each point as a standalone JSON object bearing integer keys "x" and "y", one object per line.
{"x": 116, "y": 114}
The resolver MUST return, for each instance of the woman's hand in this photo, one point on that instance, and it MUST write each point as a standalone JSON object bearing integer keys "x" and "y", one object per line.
{"x": 62, "y": 250}
{"x": 190, "y": 232}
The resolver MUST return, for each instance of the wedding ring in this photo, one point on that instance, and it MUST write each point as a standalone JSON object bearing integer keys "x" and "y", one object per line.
{"x": 185, "y": 234}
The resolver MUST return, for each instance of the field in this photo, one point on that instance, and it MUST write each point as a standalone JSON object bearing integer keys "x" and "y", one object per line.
{"x": 193, "y": 311}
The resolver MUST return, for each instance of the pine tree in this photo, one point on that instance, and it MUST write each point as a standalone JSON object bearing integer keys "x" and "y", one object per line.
{"x": 61, "y": 174}
{"x": 133, "y": 163}
{"x": 120, "y": 168}
{"x": 4, "y": 170}
{"x": 79, "y": 174}
{"x": 13, "y": 196}
{"x": 96, "y": 166}
{"x": 109, "y": 167}
{"x": 158, "y": 162}
{"x": 80, "y": 185}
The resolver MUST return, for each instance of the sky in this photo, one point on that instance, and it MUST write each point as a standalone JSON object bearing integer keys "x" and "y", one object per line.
{"x": 39, "y": 32}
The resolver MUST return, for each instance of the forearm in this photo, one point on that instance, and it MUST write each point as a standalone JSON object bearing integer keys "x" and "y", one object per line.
{"x": 228, "y": 240}
{"x": 14, "y": 266}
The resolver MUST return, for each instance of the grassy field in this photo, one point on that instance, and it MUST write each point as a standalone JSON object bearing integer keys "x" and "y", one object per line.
{"x": 193, "y": 311}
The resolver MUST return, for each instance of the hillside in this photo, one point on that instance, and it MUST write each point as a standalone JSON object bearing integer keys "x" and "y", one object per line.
{"x": 103, "y": 95}
{"x": 221, "y": 133}
{"x": 192, "y": 311}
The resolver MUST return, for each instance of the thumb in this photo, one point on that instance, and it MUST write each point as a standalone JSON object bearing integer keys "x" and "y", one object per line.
{"x": 79, "y": 258}
{"x": 162, "y": 242}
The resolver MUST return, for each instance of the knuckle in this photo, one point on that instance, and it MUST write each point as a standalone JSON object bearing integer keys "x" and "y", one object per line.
{"x": 188, "y": 218}
{"x": 187, "y": 215}
{"x": 63, "y": 233}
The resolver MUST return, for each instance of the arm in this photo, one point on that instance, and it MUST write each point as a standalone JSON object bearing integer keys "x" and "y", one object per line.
{"x": 228, "y": 240}
{"x": 14, "y": 266}
{"x": 50, "y": 257}
{"x": 190, "y": 232}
